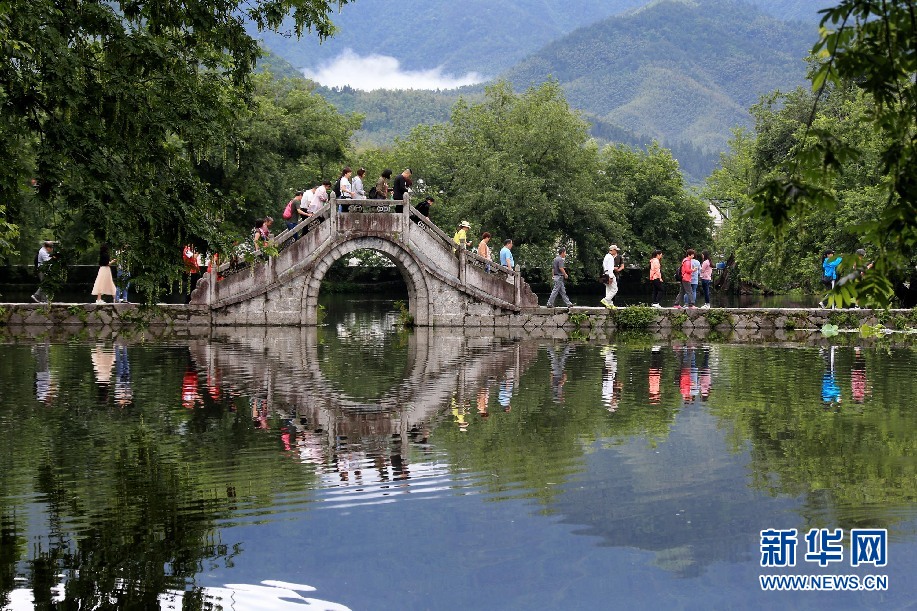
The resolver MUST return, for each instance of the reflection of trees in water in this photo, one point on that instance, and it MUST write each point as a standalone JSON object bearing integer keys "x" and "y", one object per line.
{"x": 851, "y": 461}
{"x": 128, "y": 499}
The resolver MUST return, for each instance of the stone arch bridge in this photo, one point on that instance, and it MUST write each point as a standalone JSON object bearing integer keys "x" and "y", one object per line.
{"x": 446, "y": 286}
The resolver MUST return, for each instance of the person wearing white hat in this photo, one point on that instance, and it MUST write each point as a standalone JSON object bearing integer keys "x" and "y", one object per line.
{"x": 611, "y": 265}
{"x": 461, "y": 235}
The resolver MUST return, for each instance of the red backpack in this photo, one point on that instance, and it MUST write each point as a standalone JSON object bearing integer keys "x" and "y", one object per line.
{"x": 288, "y": 211}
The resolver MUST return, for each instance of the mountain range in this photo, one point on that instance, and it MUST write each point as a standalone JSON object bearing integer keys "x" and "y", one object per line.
{"x": 683, "y": 72}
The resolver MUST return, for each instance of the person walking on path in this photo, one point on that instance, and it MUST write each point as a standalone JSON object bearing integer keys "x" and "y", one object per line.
{"x": 401, "y": 184}
{"x": 461, "y": 235}
{"x": 685, "y": 272}
{"x": 829, "y": 265}
{"x": 382, "y": 187}
{"x": 706, "y": 277}
{"x": 41, "y": 259}
{"x": 104, "y": 284}
{"x": 124, "y": 276}
{"x": 656, "y": 277}
{"x": 506, "y": 254}
{"x": 559, "y": 272}
{"x": 609, "y": 265}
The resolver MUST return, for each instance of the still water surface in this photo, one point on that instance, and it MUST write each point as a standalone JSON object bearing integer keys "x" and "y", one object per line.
{"x": 357, "y": 467}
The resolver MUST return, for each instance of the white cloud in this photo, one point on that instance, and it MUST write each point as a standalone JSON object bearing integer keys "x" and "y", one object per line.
{"x": 384, "y": 72}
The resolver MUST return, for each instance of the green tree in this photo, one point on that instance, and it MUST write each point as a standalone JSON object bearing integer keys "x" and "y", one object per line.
{"x": 110, "y": 106}
{"x": 652, "y": 207}
{"x": 782, "y": 126}
{"x": 523, "y": 166}
{"x": 873, "y": 45}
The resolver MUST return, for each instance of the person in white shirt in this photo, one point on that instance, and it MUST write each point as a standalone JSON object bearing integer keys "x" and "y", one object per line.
{"x": 304, "y": 203}
{"x": 42, "y": 258}
{"x": 346, "y": 191}
{"x": 608, "y": 269}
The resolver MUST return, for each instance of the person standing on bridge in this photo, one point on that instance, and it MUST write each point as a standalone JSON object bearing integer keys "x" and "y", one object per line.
{"x": 506, "y": 255}
{"x": 560, "y": 274}
{"x": 358, "y": 192}
{"x": 484, "y": 250}
{"x": 401, "y": 184}
{"x": 382, "y": 188}
{"x": 319, "y": 197}
{"x": 461, "y": 235}
{"x": 424, "y": 207}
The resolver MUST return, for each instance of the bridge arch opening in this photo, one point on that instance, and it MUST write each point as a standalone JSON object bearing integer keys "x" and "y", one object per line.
{"x": 409, "y": 269}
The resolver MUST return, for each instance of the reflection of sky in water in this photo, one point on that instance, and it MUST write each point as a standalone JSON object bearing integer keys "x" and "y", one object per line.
{"x": 500, "y": 475}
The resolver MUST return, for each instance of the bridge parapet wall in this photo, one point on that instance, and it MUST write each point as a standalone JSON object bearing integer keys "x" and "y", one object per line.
{"x": 445, "y": 283}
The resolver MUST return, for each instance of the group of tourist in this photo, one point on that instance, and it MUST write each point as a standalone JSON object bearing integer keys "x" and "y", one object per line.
{"x": 690, "y": 272}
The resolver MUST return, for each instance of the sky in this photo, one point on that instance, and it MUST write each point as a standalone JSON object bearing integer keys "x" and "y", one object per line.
{"x": 384, "y": 72}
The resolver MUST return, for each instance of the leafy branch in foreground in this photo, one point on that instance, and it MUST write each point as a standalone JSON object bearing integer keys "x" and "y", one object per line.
{"x": 873, "y": 46}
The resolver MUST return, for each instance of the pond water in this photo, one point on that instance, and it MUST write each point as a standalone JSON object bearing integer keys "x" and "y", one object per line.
{"x": 356, "y": 466}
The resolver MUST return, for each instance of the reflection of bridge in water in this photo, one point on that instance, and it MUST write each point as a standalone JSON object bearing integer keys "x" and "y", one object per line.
{"x": 328, "y": 426}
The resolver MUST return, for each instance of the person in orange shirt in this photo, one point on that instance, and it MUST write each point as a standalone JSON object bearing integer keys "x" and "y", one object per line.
{"x": 656, "y": 277}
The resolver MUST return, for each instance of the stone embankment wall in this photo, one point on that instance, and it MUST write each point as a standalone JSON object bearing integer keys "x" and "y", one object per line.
{"x": 746, "y": 320}
{"x": 163, "y": 320}
{"x": 63, "y": 322}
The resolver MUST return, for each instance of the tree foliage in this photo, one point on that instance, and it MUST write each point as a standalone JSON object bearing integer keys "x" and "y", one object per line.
{"x": 871, "y": 46}
{"x": 111, "y": 106}
{"x": 522, "y": 166}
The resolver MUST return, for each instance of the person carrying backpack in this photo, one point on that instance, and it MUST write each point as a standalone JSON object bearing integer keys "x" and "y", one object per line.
{"x": 685, "y": 272}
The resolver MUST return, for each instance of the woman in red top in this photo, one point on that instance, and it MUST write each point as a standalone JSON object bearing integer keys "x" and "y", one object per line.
{"x": 685, "y": 286}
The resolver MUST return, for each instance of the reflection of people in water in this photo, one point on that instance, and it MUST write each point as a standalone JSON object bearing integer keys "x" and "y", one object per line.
{"x": 859, "y": 385}
{"x": 558, "y": 373}
{"x": 688, "y": 382}
{"x": 45, "y": 385}
{"x": 505, "y": 394}
{"x": 259, "y": 410}
{"x": 830, "y": 391}
{"x": 124, "y": 394}
{"x": 103, "y": 359}
{"x": 483, "y": 400}
{"x": 189, "y": 395}
{"x": 611, "y": 386}
{"x": 459, "y": 412}
{"x": 655, "y": 377}
{"x": 706, "y": 380}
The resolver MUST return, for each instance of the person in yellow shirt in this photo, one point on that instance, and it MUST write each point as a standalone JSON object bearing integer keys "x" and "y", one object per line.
{"x": 461, "y": 235}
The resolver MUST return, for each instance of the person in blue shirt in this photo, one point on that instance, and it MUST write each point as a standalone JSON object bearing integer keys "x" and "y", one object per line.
{"x": 506, "y": 257}
{"x": 695, "y": 275}
{"x": 829, "y": 265}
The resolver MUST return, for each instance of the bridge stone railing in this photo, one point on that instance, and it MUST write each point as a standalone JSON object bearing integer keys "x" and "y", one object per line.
{"x": 408, "y": 238}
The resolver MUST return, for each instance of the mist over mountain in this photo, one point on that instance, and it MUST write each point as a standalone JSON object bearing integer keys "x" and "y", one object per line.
{"x": 478, "y": 36}
{"x": 457, "y": 38}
